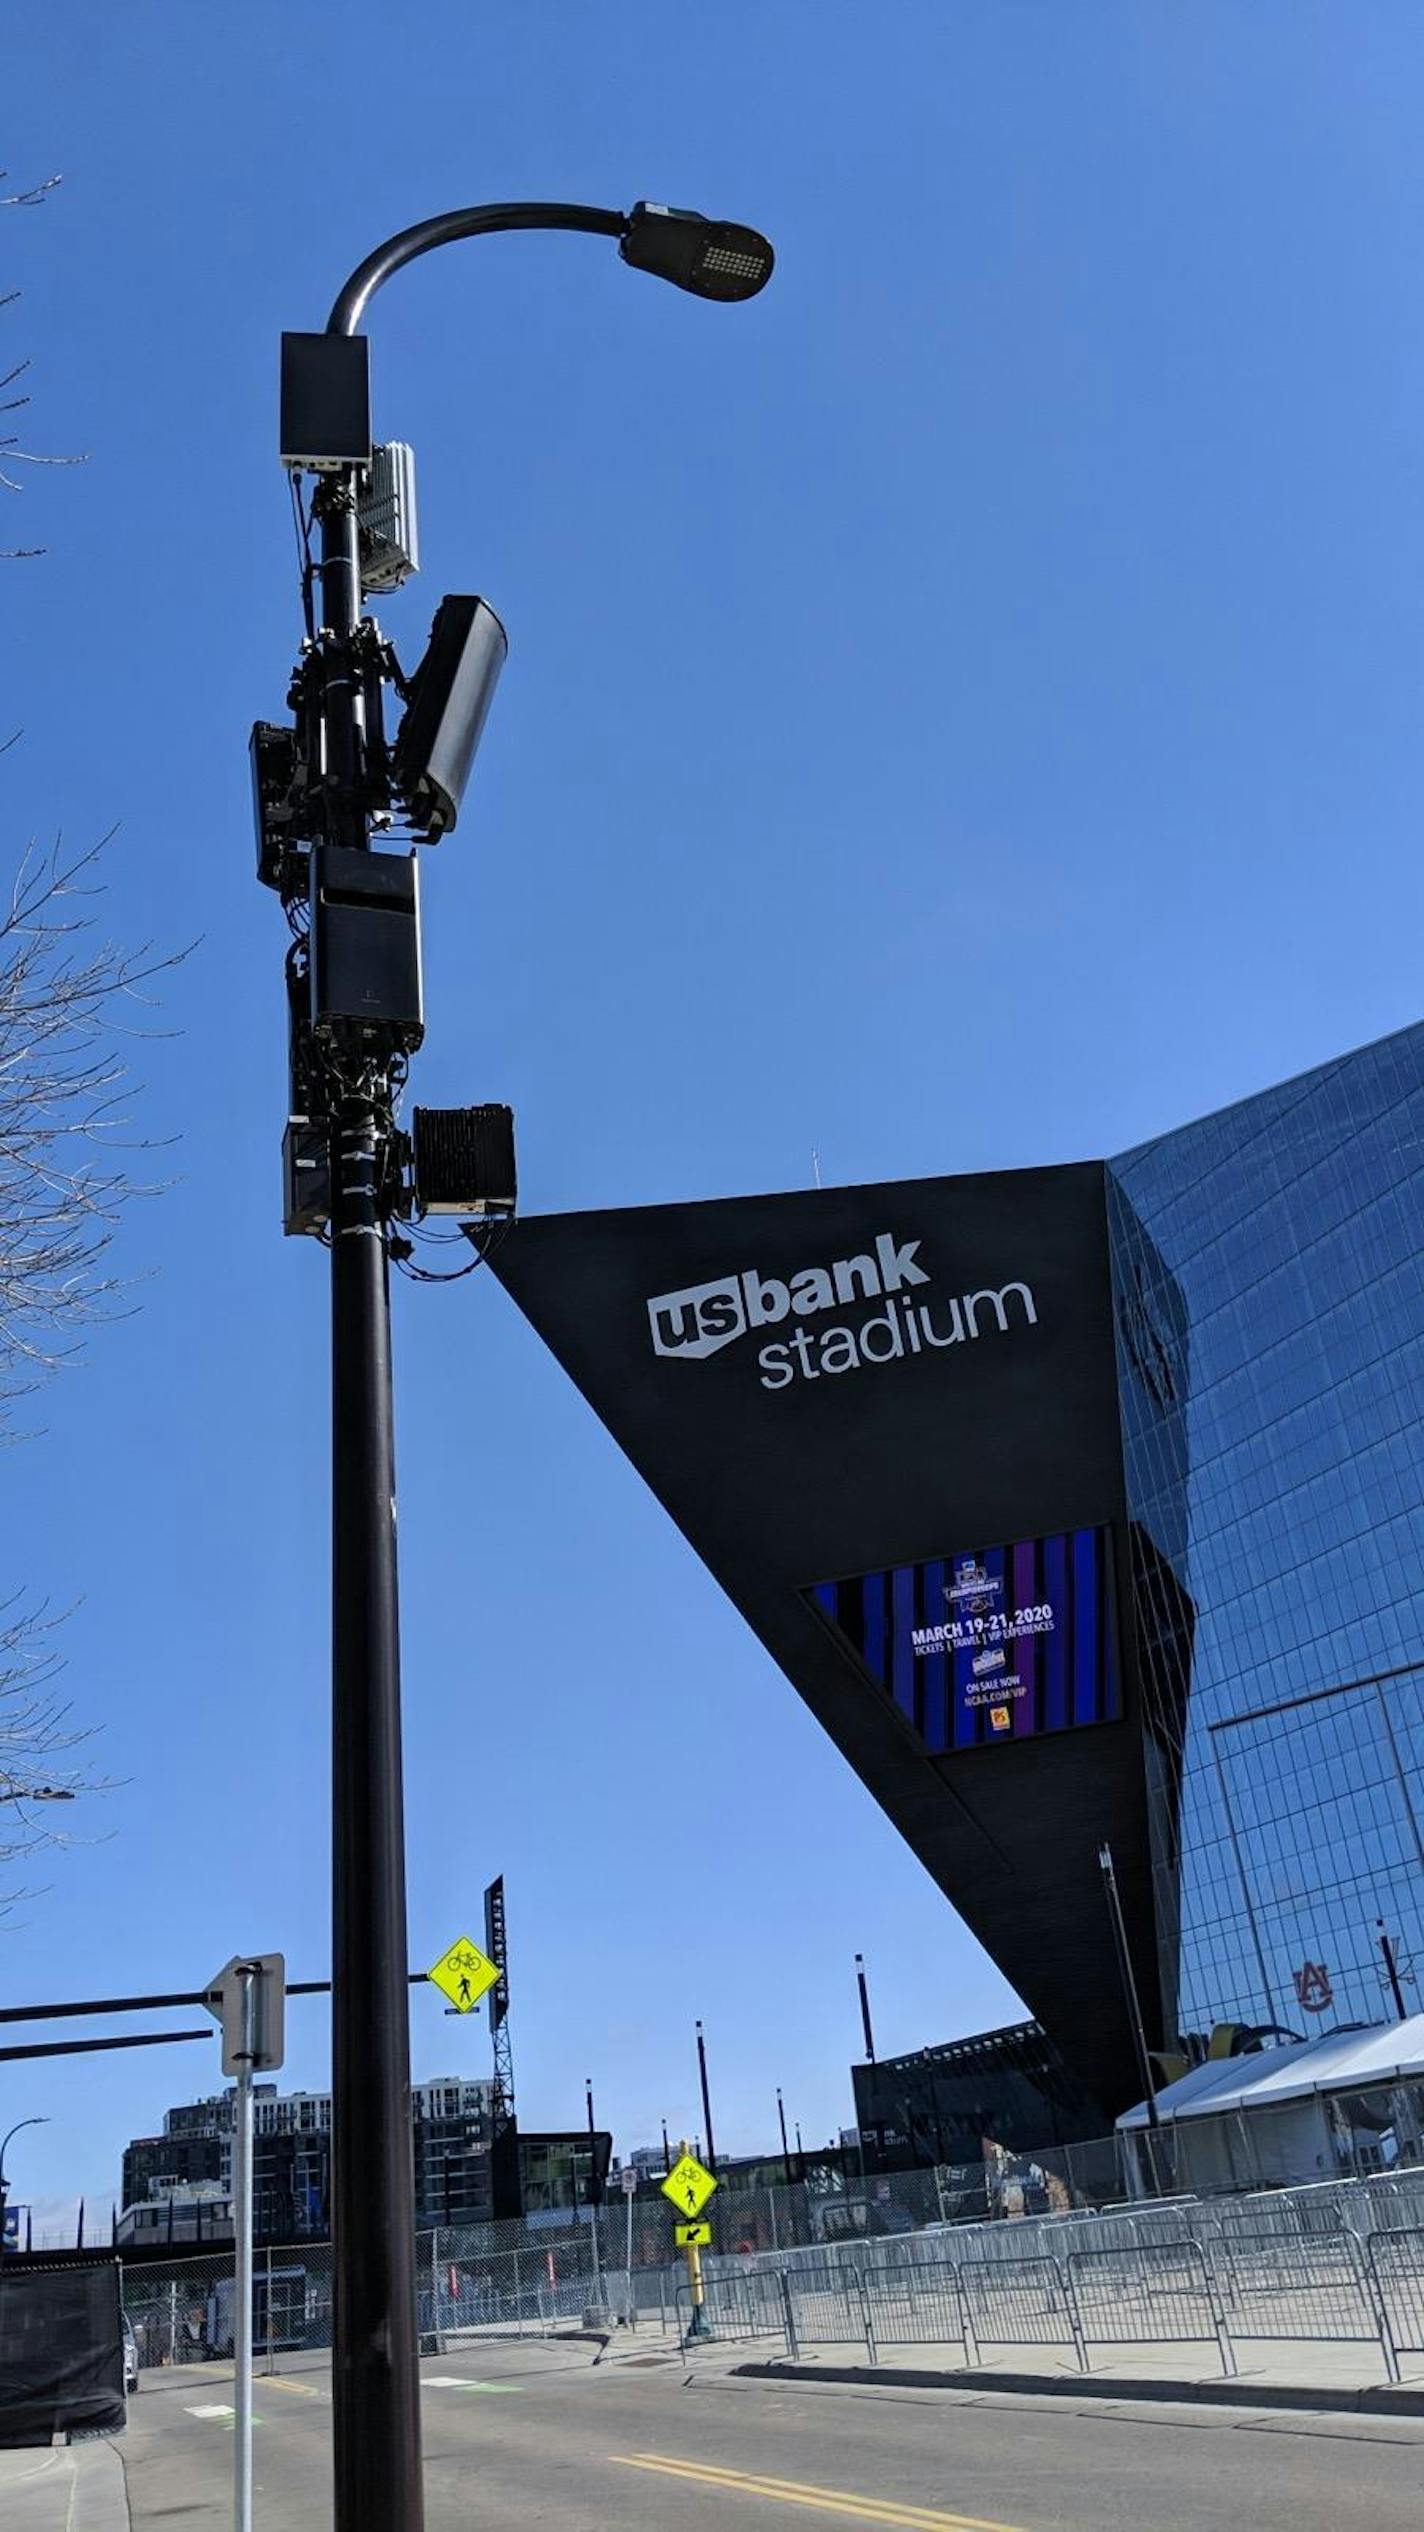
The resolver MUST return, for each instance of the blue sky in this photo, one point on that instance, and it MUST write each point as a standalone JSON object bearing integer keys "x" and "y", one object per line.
{"x": 963, "y": 710}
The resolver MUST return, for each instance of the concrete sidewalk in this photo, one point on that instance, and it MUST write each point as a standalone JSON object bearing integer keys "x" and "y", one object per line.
{"x": 64, "y": 2488}
{"x": 1324, "y": 2374}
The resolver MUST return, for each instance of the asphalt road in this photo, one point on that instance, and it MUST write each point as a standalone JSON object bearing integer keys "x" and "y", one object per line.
{"x": 519, "y": 2437}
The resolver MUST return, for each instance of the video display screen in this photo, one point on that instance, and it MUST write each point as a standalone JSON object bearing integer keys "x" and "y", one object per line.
{"x": 994, "y": 1644}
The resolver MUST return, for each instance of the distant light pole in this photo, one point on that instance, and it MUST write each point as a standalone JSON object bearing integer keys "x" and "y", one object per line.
{"x": 706, "y": 2099}
{"x": 40, "y": 2122}
{"x": 1133, "y": 2003}
{"x": 785, "y": 2148}
{"x": 325, "y": 784}
{"x": 667, "y": 2150}
{"x": 1392, "y": 1971}
{"x": 864, "y": 2006}
{"x": 870, "y": 2056}
{"x": 594, "y": 2193}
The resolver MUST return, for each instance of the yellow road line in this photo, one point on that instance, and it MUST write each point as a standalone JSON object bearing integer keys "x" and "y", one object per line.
{"x": 795, "y": 2492}
{"x": 287, "y": 2382}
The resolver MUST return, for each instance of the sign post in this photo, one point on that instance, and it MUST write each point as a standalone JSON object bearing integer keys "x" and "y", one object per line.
{"x": 242, "y": 2265}
{"x": 248, "y": 1998}
{"x": 689, "y": 2185}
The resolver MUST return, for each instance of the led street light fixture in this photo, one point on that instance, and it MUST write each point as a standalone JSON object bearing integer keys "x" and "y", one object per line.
{"x": 450, "y": 696}
{"x": 714, "y": 259}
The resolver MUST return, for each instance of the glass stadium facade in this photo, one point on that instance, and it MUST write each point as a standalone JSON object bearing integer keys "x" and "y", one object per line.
{"x": 1269, "y": 1310}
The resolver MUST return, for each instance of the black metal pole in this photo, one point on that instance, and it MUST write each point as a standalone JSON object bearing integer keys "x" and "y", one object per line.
{"x": 1392, "y": 1971}
{"x": 375, "y": 2380}
{"x": 870, "y": 2054}
{"x": 86, "y": 2048}
{"x": 865, "y": 2007}
{"x": 667, "y": 2150}
{"x": 706, "y": 2100}
{"x": 595, "y": 2193}
{"x": 785, "y": 2148}
{"x": 375, "y": 2383}
{"x": 210, "y": 1996}
{"x": 1134, "y": 2008}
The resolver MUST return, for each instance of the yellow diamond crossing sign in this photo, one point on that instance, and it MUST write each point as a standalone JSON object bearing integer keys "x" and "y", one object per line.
{"x": 689, "y": 2185}
{"x": 464, "y": 1974}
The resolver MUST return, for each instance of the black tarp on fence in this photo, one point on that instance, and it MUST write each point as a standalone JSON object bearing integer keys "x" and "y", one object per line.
{"x": 61, "y": 2347}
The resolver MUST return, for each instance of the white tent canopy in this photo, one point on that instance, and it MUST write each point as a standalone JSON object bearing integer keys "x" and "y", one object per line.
{"x": 1339, "y": 2061}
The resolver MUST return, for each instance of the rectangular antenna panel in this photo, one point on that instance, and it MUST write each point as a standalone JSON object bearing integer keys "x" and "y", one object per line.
{"x": 385, "y": 517}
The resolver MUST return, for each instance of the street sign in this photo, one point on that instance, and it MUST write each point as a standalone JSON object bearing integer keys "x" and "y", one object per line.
{"x": 689, "y": 2237}
{"x": 464, "y": 1974}
{"x": 629, "y": 2179}
{"x": 269, "y": 2011}
{"x": 689, "y": 2185}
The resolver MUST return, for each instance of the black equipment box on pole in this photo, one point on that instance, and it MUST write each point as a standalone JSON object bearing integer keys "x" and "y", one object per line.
{"x": 326, "y": 400}
{"x": 464, "y": 1164}
{"x": 365, "y": 949}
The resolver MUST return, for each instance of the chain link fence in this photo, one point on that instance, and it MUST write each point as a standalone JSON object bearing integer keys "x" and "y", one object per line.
{"x": 181, "y": 2310}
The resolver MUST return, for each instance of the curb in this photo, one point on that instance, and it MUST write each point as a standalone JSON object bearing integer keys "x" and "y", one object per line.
{"x": 1396, "y": 2400}
{"x": 100, "y": 2498}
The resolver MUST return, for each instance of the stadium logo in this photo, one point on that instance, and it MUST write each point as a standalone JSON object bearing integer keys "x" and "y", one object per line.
{"x": 690, "y": 1325}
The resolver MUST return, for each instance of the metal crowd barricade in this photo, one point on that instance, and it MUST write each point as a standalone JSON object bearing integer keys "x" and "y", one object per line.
{"x": 828, "y": 2305}
{"x": 1157, "y": 2220}
{"x": 1019, "y": 2303}
{"x": 1395, "y": 2262}
{"x": 1154, "y": 2295}
{"x": 1308, "y": 2286}
{"x": 1271, "y": 2211}
{"x": 915, "y": 2300}
{"x": 743, "y": 2304}
{"x": 1391, "y": 2202}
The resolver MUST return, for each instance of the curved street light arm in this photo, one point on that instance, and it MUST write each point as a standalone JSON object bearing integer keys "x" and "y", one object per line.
{"x": 480, "y": 220}
{"x": 14, "y": 2131}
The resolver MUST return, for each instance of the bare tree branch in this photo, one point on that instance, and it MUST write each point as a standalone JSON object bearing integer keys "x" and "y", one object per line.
{"x": 69, "y": 998}
{"x": 10, "y": 448}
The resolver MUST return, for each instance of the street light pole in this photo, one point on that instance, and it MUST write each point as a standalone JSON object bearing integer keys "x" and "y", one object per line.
{"x": 706, "y": 2099}
{"x": 785, "y": 2148}
{"x": 41, "y": 2122}
{"x": 329, "y": 799}
{"x": 864, "y": 2007}
{"x": 1392, "y": 1971}
{"x": 375, "y": 2380}
{"x": 1133, "y": 2004}
{"x": 595, "y": 2195}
